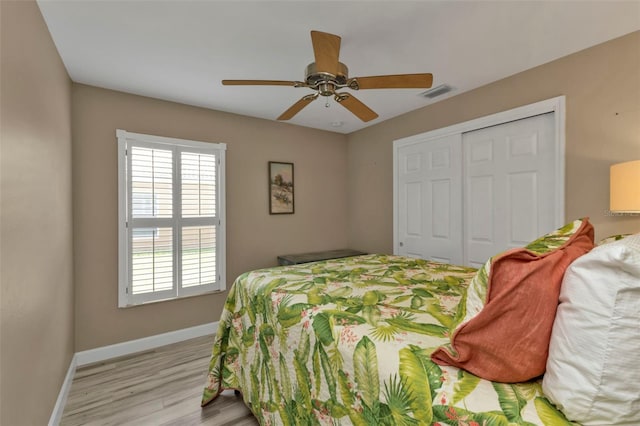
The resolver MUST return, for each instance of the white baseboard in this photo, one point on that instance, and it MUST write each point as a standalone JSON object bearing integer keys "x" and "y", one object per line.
{"x": 58, "y": 409}
{"x": 125, "y": 348}
{"x": 132, "y": 346}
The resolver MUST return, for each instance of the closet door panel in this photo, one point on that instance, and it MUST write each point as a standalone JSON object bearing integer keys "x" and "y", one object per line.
{"x": 429, "y": 200}
{"x": 523, "y": 210}
{"x": 479, "y": 210}
{"x": 509, "y": 188}
{"x": 411, "y": 223}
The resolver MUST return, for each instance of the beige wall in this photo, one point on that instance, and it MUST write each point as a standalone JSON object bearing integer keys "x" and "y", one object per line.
{"x": 343, "y": 190}
{"x": 254, "y": 238}
{"x": 602, "y": 89}
{"x": 36, "y": 253}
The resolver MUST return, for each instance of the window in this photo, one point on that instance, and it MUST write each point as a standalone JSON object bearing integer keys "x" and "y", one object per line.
{"x": 171, "y": 218}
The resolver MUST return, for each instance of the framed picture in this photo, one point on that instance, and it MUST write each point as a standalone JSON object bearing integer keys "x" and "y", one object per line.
{"x": 281, "y": 195}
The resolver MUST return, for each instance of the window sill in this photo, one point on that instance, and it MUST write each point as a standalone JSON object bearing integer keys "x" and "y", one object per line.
{"x": 170, "y": 299}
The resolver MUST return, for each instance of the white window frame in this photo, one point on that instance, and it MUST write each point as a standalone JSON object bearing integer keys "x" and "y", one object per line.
{"x": 125, "y": 141}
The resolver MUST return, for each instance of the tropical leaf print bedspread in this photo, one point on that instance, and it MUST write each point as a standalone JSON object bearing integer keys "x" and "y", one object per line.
{"x": 347, "y": 341}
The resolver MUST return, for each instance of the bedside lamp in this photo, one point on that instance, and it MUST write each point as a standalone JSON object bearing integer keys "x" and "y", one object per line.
{"x": 624, "y": 180}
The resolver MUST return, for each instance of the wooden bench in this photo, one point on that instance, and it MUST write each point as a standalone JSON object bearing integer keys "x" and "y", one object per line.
{"x": 294, "y": 259}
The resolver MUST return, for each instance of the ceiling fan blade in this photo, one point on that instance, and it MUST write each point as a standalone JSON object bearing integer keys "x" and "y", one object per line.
{"x": 326, "y": 49}
{"x": 297, "y": 107}
{"x": 359, "y": 109}
{"x": 260, "y": 83}
{"x": 399, "y": 81}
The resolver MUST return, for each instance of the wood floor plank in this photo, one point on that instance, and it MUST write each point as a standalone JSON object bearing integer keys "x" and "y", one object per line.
{"x": 160, "y": 387}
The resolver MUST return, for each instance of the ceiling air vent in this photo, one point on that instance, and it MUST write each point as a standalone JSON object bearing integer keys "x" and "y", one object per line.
{"x": 436, "y": 91}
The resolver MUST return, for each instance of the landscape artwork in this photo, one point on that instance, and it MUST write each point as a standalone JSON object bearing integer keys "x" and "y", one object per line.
{"x": 280, "y": 188}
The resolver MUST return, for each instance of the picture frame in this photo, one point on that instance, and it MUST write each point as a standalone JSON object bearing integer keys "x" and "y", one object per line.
{"x": 281, "y": 188}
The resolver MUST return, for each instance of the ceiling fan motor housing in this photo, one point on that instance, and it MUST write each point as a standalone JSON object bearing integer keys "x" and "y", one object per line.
{"x": 326, "y": 83}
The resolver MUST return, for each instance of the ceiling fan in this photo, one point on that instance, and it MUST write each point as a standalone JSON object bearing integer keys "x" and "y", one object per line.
{"x": 327, "y": 75}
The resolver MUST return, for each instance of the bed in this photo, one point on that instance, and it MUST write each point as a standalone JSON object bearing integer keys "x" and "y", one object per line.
{"x": 390, "y": 340}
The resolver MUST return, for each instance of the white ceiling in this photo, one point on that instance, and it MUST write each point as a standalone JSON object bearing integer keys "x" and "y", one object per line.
{"x": 180, "y": 50}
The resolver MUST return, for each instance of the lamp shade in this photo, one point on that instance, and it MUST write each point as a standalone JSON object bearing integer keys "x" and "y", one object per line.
{"x": 624, "y": 180}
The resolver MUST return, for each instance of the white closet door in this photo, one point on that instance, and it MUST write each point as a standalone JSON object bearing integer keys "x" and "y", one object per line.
{"x": 510, "y": 186}
{"x": 429, "y": 179}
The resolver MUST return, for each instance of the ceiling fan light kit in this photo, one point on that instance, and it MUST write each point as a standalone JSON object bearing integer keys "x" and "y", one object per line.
{"x": 327, "y": 75}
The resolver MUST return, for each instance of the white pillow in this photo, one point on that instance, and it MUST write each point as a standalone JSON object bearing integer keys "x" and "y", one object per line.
{"x": 593, "y": 369}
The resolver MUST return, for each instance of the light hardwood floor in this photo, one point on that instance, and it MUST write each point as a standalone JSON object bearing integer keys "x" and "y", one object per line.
{"x": 157, "y": 387}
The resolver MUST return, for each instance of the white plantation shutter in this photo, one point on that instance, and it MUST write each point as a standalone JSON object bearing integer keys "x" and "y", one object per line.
{"x": 198, "y": 184}
{"x": 151, "y": 182}
{"x": 150, "y": 187}
{"x": 171, "y": 240}
{"x": 198, "y": 201}
{"x": 198, "y": 255}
